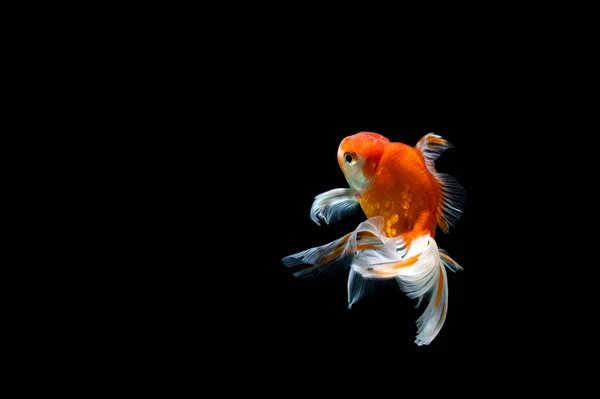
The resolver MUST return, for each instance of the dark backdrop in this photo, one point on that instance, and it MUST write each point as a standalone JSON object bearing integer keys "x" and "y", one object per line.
{"x": 290, "y": 157}
{"x": 246, "y": 172}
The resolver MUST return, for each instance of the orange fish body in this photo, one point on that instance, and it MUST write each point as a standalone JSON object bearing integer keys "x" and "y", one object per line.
{"x": 404, "y": 199}
{"x": 403, "y": 190}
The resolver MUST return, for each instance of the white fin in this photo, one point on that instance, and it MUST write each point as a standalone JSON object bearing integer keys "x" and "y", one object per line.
{"x": 383, "y": 263}
{"x": 427, "y": 279}
{"x": 360, "y": 287}
{"x": 313, "y": 259}
{"x": 334, "y": 205}
{"x": 341, "y": 251}
{"x": 453, "y": 194}
{"x": 420, "y": 274}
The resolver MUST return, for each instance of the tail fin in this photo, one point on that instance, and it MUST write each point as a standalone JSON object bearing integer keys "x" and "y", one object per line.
{"x": 419, "y": 269}
{"x": 340, "y": 252}
{"x": 318, "y": 258}
{"x": 427, "y": 279}
{"x": 420, "y": 274}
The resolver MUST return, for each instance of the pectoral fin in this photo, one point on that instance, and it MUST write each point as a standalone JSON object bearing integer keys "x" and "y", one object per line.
{"x": 334, "y": 205}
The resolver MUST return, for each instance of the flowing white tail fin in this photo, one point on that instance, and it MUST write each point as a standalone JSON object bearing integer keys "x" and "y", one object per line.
{"x": 419, "y": 269}
{"x": 421, "y": 274}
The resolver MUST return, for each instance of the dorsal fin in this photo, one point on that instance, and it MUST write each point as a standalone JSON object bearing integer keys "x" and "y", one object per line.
{"x": 453, "y": 194}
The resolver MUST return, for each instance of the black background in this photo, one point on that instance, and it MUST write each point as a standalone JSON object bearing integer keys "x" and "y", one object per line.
{"x": 235, "y": 182}
{"x": 234, "y": 172}
{"x": 314, "y": 310}
{"x": 278, "y": 162}
{"x": 238, "y": 128}
{"x": 226, "y": 136}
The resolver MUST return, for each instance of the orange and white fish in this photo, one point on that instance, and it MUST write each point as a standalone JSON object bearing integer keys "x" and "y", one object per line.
{"x": 404, "y": 199}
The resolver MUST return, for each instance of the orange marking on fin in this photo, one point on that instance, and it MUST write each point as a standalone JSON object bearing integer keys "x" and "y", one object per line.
{"x": 449, "y": 260}
{"x": 365, "y": 233}
{"x": 366, "y": 246}
{"x": 437, "y": 140}
{"x": 403, "y": 263}
{"x": 338, "y": 250}
{"x": 407, "y": 262}
{"x": 439, "y": 288}
{"x": 384, "y": 273}
{"x": 446, "y": 257}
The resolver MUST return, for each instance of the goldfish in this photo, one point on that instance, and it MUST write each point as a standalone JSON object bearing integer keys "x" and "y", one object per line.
{"x": 405, "y": 199}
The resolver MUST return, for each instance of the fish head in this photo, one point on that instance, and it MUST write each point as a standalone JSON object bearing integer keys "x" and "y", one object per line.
{"x": 358, "y": 156}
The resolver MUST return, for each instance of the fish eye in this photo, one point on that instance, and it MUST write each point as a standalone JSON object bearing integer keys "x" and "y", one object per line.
{"x": 350, "y": 158}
